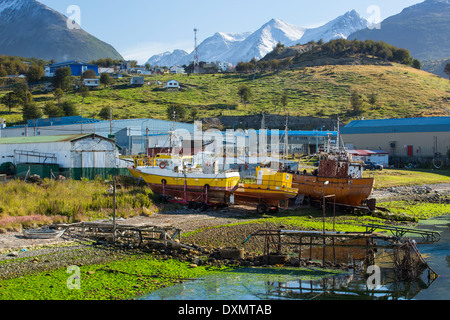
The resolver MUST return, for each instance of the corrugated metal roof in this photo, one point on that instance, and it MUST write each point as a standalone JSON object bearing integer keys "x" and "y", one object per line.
{"x": 431, "y": 124}
{"x": 42, "y": 139}
{"x": 366, "y": 153}
{"x": 293, "y": 133}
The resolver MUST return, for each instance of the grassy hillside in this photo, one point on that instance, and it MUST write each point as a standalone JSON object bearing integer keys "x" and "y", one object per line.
{"x": 322, "y": 91}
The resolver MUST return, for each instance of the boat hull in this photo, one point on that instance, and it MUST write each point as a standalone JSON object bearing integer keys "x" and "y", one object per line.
{"x": 40, "y": 234}
{"x": 348, "y": 191}
{"x": 195, "y": 187}
{"x": 270, "y": 197}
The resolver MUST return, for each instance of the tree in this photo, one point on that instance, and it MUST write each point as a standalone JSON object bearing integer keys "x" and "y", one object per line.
{"x": 61, "y": 79}
{"x": 194, "y": 113}
{"x": 447, "y": 69}
{"x": 59, "y": 93}
{"x": 274, "y": 64}
{"x": 402, "y": 56}
{"x": 416, "y": 64}
{"x": 105, "y": 79}
{"x": 356, "y": 102}
{"x": 31, "y": 111}
{"x": 373, "y": 100}
{"x": 22, "y": 91}
{"x": 104, "y": 113}
{"x": 89, "y": 74}
{"x": 53, "y": 111}
{"x": 245, "y": 93}
{"x": 284, "y": 100}
{"x": 11, "y": 100}
{"x": 84, "y": 92}
{"x": 35, "y": 73}
{"x": 19, "y": 96}
{"x": 69, "y": 109}
{"x": 176, "y": 113}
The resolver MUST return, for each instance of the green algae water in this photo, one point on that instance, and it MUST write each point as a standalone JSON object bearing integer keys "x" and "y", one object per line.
{"x": 319, "y": 284}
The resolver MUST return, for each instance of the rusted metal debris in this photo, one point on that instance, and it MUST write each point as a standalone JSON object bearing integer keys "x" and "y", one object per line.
{"x": 363, "y": 249}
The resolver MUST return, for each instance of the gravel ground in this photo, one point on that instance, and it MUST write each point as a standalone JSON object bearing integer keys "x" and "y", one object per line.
{"x": 19, "y": 255}
{"x": 410, "y": 192}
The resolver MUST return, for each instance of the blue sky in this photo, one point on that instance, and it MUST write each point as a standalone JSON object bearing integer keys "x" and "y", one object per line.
{"x": 139, "y": 29}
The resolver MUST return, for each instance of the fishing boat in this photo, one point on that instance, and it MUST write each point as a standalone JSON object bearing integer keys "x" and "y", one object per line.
{"x": 337, "y": 177}
{"x": 268, "y": 191}
{"x": 177, "y": 180}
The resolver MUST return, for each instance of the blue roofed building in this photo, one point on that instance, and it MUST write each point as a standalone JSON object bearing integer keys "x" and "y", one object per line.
{"x": 409, "y": 139}
{"x": 75, "y": 66}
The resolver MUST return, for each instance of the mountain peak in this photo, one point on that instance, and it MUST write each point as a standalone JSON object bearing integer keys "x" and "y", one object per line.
{"x": 31, "y": 29}
{"x": 246, "y": 46}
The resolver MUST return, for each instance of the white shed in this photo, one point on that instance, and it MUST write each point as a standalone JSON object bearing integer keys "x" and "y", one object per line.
{"x": 91, "y": 83}
{"x": 172, "y": 84}
{"x": 79, "y": 156}
{"x": 137, "y": 81}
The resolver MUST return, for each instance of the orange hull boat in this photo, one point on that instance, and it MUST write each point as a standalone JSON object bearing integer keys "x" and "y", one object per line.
{"x": 341, "y": 178}
{"x": 348, "y": 191}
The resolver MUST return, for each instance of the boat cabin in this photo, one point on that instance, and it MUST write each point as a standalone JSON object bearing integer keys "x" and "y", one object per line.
{"x": 340, "y": 169}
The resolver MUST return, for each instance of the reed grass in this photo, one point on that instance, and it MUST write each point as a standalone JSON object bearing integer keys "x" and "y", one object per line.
{"x": 24, "y": 205}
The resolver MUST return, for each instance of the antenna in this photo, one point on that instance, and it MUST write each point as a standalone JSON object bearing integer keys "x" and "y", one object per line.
{"x": 196, "y": 58}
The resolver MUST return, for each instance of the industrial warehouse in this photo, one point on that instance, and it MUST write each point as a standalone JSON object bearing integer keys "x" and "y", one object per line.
{"x": 406, "y": 140}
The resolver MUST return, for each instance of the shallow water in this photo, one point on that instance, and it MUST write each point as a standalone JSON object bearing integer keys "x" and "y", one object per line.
{"x": 298, "y": 284}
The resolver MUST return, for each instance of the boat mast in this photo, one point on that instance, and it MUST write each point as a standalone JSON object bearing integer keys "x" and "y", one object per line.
{"x": 285, "y": 142}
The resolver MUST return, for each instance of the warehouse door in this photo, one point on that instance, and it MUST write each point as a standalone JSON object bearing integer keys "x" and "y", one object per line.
{"x": 410, "y": 151}
{"x": 93, "y": 163}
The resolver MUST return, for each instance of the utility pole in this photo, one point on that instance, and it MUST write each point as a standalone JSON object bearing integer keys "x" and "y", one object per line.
{"x": 114, "y": 210}
{"x": 196, "y": 57}
{"x": 110, "y": 121}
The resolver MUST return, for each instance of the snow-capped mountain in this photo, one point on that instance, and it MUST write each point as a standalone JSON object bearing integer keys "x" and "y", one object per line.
{"x": 30, "y": 29}
{"x": 211, "y": 49}
{"x": 235, "y": 48}
{"x": 262, "y": 41}
{"x": 339, "y": 28}
{"x": 177, "y": 57}
{"x": 216, "y": 48}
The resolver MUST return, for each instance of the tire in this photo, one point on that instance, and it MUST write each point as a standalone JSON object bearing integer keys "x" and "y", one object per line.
{"x": 162, "y": 199}
{"x": 261, "y": 208}
{"x": 203, "y": 207}
{"x": 192, "y": 205}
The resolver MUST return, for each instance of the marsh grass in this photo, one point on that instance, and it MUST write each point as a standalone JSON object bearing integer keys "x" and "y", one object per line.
{"x": 128, "y": 278}
{"x": 29, "y": 205}
{"x": 418, "y": 210}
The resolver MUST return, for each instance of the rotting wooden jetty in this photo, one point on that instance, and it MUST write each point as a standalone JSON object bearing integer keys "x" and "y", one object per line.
{"x": 120, "y": 234}
{"x": 364, "y": 249}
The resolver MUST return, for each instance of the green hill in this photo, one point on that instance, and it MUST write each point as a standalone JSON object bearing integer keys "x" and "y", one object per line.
{"x": 322, "y": 91}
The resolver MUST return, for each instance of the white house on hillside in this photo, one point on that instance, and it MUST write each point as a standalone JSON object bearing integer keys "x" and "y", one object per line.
{"x": 172, "y": 84}
{"x": 91, "y": 83}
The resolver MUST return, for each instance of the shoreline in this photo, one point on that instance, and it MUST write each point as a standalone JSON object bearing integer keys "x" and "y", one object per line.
{"x": 22, "y": 257}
